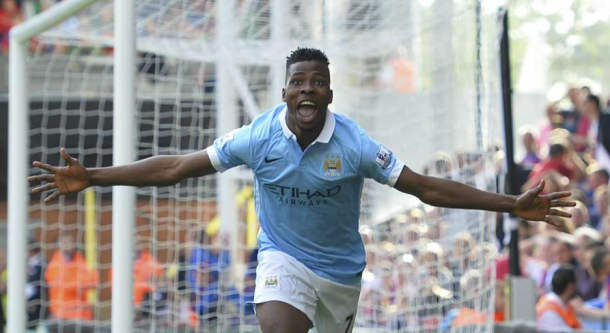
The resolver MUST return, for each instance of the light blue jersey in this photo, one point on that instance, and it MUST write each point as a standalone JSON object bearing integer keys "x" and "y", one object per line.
{"x": 308, "y": 202}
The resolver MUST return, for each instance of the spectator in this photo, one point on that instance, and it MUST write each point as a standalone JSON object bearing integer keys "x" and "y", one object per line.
{"x": 467, "y": 315}
{"x": 583, "y": 126}
{"x": 528, "y": 138}
{"x": 563, "y": 254}
{"x": 571, "y": 116}
{"x": 247, "y": 294}
{"x": 10, "y": 15}
{"x": 595, "y": 310}
{"x": 147, "y": 273}
{"x": 34, "y": 291}
{"x": 462, "y": 257}
{"x": 552, "y": 121}
{"x": 561, "y": 160}
{"x": 70, "y": 279}
{"x": 499, "y": 302}
{"x": 600, "y": 127}
{"x": 208, "y": 261}
{"x": 588, "y": 286}
{"x": 580, "y": 215}
{"x": 601, "y": 204}
{"x": 553, "y": 310}
{"x": 596, "y": 177}
{"x": 431, "y": 266}
{"x": 600, "y": 264}
{"x": 536, "y": 258}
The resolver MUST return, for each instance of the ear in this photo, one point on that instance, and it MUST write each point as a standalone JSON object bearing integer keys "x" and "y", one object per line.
{"x": 284, "y": 94}
{"x": 330, "y": 100}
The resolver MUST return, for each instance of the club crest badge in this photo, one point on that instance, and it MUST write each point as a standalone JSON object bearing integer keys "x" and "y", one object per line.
{"x": 332, "y": 166}
{"x": 272, "y": 282}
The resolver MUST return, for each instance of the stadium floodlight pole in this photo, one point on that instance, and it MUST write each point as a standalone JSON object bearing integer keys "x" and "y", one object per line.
{"x": 227, "y": 120}
{"x": 18, "y": 157}
{"x": 511, "y": 169}
{"x": 124, "y": 152}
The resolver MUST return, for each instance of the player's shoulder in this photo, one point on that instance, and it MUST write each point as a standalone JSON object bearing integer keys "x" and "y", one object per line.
{"x": 347, "y": 129}
{"x": 265, "y": 124}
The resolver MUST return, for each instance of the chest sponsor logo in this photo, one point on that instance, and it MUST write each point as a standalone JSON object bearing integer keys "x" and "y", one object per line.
{"x": 332, "y": 167}
{"x": 383, "y": 157}
{"x": 296, "y": 196}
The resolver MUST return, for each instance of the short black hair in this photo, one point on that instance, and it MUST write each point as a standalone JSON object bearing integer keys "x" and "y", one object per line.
{"x": 563, "y": 277}
{"x": 556, "y": 150}
{"x": 595, "y": 100}
{"x": 597, "y": 261}
{"x": 305, "y": 54}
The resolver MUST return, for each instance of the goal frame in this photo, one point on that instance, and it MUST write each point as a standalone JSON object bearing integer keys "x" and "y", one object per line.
{"x": 18, "y": 197}
{"x": 231, "y": 86}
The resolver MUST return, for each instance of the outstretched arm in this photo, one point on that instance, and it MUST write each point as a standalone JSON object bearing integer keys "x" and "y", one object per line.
{"x": 153, "y": 171}
{"x": 446, "y": 193}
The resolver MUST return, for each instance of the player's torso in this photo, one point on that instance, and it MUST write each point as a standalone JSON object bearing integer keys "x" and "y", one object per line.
{"x": 308, "y": 201}
{"x": 324, "y": 175}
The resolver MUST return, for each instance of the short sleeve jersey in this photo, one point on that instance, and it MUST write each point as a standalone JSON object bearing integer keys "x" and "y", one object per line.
{"x": 308, "y": 202}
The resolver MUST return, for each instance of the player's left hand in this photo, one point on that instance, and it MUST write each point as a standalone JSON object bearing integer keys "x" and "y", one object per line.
{"x": 533, "y": 206}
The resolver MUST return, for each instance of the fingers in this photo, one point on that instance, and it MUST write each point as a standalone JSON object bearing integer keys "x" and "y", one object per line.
{"x": 69, "y": 160}
{"x": 52, "y": 197}
{"x": 553, "y": 222}
{"x": 538, "y": 189}
{"x": 46, "y": 187}
{"x": 558, "y": 195}
{"x": 557, "y": 203}
{"x": 44, "y": 166}
{"x": 42, "y": 178}
{"x": 557, "y": 212}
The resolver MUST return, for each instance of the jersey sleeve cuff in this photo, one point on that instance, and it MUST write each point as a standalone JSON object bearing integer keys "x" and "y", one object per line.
{"x": 393, "y": 178}
{"x": 213, "y": 155}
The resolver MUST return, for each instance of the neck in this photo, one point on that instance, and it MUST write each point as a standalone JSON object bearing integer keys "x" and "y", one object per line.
{"x": 305, "y": 137}
{"x": 565, "y": 297}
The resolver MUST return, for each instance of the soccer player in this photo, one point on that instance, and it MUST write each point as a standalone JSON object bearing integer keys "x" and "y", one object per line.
{"x": 309, "y": 165}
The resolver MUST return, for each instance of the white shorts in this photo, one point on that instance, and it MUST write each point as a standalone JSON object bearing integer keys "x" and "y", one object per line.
{"x": 329, "y": 305}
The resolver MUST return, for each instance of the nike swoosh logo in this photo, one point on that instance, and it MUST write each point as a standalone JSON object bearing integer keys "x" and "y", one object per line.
{"x": 268, "y": 160}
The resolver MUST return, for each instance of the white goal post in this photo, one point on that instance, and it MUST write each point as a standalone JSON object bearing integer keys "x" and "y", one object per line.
{"x": 18, "y": 153}
{"x": 120, "y": 80}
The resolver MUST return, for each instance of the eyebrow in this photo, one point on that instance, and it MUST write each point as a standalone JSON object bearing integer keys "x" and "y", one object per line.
{"x": 315, "y": 73}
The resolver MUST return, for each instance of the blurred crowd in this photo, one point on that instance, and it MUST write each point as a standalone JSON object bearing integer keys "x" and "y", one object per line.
{"x": 423, "y": 274}
{"x": 13, "y": 12}
{"x": 570, "y": 150}
{"x": 196, "y": 292}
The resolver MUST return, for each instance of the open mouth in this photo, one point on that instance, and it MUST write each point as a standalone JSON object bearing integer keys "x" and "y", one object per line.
{"x": 306, "y": 110}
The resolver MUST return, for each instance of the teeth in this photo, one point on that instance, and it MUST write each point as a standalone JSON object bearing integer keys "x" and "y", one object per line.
{"x": 308, "y": 103}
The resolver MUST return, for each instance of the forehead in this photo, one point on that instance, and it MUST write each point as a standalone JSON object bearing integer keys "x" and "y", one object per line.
{"x": 309, "y": 67}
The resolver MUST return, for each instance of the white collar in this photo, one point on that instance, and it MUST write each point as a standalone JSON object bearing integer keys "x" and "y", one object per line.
{"x": 325, "y": 135}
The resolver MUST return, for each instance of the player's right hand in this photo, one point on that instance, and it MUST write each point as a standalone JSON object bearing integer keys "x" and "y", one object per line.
{"x": 63, "y": 180}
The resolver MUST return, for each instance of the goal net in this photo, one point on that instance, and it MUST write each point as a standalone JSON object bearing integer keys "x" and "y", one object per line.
{"x": 420, "y": 76}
